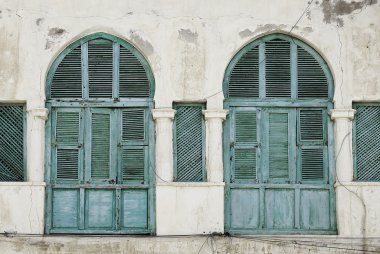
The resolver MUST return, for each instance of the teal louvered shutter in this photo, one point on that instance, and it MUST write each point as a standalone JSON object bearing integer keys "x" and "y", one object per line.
{"x": 278, "y": 145}
{"x": 100, "y": 144}
{"x": 312, "y": 144}
{"x": 245, "y": 145}
{"x": 312, "y": 81}
{"x": 133, "y": 79}
{"x": 68, "y": 144}
{"x": 100, "y": 68}
{"x": 12, "y": 143}
{"x": 134, "y": 147}
{"x": 244, "y": 78}
{"x": 277, "y": 68}
{"x": 367, "y": 142}
{"x": 67, "y": 79}
{"x": 189, "y": 144}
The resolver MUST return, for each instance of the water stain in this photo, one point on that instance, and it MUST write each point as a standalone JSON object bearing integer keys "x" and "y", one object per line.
{"x": 39, "y": 21}
{"x": 56, "y": 32}
{"x": 245, "y": 33}
{"x": 188, "y": 36}
{"x": 268, "y": 27}
{"x": 332, "y": 10}
{"x": 143, "y": 44}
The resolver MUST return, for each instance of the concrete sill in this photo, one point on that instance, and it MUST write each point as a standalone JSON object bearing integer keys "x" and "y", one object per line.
{"x": 191, "y": 184}
{"x": 10, "y": 184}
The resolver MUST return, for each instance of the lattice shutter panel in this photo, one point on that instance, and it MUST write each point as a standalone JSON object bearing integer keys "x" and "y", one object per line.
{"x": 67, "y": 140}
{"x": 11, "y": 143}
{"x": 67, "y": 79}
{"x": 133, "y": 80}
{"x": 245, "y": 146}
{"x": 312, "y": 144}
{"x": 312, "y": 81}
{"x": 189, "y": 142}
{"x": 277, "y": 68}
{"x": 278, "y": 145}
{"x": 244, "y": 79}
{"x": 368, "y": 143}
{"x": 100, "y": 145}
{"x": 100, "y": 64}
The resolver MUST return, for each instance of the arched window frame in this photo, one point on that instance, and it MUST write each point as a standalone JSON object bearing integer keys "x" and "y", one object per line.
{"x": 74, "y": 105}
{"x": 292, "y": 102}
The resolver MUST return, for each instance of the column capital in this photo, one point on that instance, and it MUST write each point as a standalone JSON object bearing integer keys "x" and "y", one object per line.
{"x": 336, "y": 114}
{"x": 41, "y": 113}
{"x": 215, "y": 113}
{"x": 163, "y": 113}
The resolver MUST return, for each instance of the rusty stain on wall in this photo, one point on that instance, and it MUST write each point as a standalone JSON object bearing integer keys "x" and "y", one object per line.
{"x": 144, "y": 45}
{"x": 332, "y": 10}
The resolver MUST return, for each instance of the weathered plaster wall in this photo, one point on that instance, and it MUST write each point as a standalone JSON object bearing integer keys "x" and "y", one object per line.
{"x": 188, "y": 45}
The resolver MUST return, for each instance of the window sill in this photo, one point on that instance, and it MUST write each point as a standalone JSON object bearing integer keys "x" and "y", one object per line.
{"x": 190, "y": 184}
{"x": 22, "y": 184}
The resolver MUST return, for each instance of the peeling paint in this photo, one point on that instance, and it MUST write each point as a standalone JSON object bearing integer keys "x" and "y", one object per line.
{"x": 245, "y": 33}
{"x": 56, "y": 32}
{"x": 332, "y": 10}
{"x": 188, "y": 36}
{"x": 145, "y": 45}
{"x": 268, "y": 27}
{"x": 39, "y": 21}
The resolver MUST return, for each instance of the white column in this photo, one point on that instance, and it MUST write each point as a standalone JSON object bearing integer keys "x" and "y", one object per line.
{"x": 36, "y": 143}
{"x": 214, "y": 143}
{"x": 164, "y": 144}
{"x": 343, "y": 143}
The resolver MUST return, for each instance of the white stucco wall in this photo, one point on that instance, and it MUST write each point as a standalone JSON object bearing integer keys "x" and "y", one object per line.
{"x": 189, "y": 46}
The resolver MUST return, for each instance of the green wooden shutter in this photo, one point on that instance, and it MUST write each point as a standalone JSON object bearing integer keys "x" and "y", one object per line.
{"x": 100, "y": 68}
{"x": 244, "y": 79}
{"x": 189, "y": 143}
{"x": 278, "y": 145}
{"x": 367, "y": 142}
{"x": 134, "y": 144}
{"x": 11, "y": 143}
{"x": 133, "y": 79}
{"x": 100, "y": 145}
{"x": 277, "y": 68}
{"x": 311, "y": 144}
{"x": 244, "y": 148}
{"x": 312, "y": 81}
{"x": 67, "y": 79}
{"x": 68, "y": 146}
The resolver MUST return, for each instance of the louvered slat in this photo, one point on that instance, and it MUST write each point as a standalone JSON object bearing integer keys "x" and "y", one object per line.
{"x": 133, "y": 79}
{"x": 67, "y": 164}
{"x": 245, "y": 134}
{"x": 67, "y": 79}
{"x": 244, "y": 79}
{"x": 100, "y": 146}
{"x": 100, "y": 64}
{"x": 312, "y": 164}
{"x": 278, "y": 145}
{"x": 189, "y": 142}
{"x": 11, "y": 143}
{"x": 367, "y": 143}
{"x": 312, "y": 81}
{"x": 133, "y": 125}
{"x": 277, "y": 68}
{"x": 133, "y": 164}
{"x": 67, "y": 130}
{"x": 311, "y": 125}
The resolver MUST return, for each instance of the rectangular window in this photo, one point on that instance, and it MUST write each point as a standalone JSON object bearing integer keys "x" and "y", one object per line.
{"x": 12, "y": 148}
{"x": 366, "y": 142}
{"x": 189, "y": 143}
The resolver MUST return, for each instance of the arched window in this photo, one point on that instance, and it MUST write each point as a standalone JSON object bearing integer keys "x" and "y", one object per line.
{"x": 279, "y": 164}
{"x": 99, "y": 149}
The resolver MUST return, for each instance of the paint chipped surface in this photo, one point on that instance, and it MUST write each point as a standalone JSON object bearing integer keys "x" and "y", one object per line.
{"x": 144, "y": 45}
{"x": 188, "y": 36}
{"x": 246, "y": 33}
{"x": 333, "y": 10}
